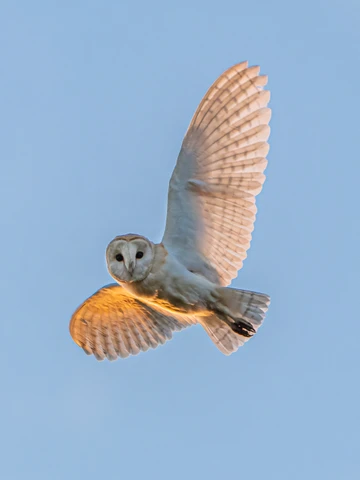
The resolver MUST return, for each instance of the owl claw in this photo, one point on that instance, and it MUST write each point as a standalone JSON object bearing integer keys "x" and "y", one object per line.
{"x": 241, "y": 327}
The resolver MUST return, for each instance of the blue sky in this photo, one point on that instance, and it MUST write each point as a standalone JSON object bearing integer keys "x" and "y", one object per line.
{"x": 96, "y": 97}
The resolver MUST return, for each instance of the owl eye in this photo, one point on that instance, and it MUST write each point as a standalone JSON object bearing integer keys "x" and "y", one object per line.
{"x": 119, "y": 257}
{"x": 139, "y": 254}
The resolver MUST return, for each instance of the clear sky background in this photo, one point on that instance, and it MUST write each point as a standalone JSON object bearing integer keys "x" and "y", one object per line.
{"x": 95, "y": 99}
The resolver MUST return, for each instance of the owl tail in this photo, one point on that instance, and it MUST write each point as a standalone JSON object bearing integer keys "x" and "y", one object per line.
{"x": 240, "y": 314}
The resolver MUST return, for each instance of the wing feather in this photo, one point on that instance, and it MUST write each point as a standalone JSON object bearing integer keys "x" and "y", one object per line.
{"x": 219, "y": 172}
{"x": 112, "y": 323}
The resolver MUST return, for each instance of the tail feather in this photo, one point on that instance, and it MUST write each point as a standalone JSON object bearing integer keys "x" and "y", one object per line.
{"x": 245, "y": 305}
{"x": 222, "y": 335}
{"x": 240, "y": 315}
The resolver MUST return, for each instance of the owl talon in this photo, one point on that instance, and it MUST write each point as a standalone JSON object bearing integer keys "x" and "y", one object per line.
{"x": 243, "y": 328}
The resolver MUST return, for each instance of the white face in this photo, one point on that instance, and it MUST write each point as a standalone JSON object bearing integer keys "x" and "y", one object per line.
{"x": 129, "y": 258}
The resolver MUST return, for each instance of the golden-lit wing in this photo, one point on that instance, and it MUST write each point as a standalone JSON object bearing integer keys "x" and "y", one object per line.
{"x": 112, "y": 323}
{"x": 219, "y": 172}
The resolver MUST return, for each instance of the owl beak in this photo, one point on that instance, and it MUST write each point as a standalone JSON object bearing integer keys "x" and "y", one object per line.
{"x": 130, "y": 265}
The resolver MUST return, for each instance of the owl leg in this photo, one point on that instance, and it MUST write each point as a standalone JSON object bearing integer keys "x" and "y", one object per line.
{"x": 242, "y": 310}
{"x": 237, "y": 324}
{"x": 241, "y": 327}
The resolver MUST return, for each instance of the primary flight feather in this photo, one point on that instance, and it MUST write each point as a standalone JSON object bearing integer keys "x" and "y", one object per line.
{"x": 181, "y": 281}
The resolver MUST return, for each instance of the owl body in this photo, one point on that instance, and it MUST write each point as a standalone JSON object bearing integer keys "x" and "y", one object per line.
{"x": 169, "y": 284}
{"x": 162, "y": 288}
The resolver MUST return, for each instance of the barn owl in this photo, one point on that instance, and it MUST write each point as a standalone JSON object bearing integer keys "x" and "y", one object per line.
{"x": 165, "y": 287}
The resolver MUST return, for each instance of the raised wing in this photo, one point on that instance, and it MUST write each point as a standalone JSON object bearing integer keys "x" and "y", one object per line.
{"x": 219, "y": 171}
{"x": 113, "y": 323}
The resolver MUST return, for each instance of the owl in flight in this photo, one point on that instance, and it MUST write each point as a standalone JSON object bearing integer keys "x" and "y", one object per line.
{"x": 165, "y": 287}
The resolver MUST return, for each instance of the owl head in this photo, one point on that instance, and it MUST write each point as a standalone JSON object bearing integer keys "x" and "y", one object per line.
{"x": 129, "y": 258}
